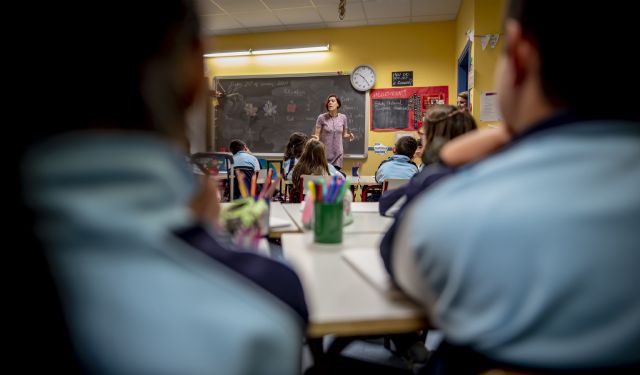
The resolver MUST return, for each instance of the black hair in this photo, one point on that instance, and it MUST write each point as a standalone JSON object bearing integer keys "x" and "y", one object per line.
{"x": 406, "y": 146}
{"x": 237, "y": 145}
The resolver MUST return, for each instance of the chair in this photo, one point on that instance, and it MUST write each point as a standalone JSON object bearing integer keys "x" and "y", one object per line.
{"x": 304, "y": 188}
{"x": 262, "y": 176}
{"x": 248, "y": 174}
{"x": 394, "y": 183}
{"x": 216, "y": 163}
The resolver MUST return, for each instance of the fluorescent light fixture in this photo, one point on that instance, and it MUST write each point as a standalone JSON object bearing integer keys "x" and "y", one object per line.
{"x": 229, "y": 54}
{"x": 290, "y": 50}
{"x": 322, "y": 48}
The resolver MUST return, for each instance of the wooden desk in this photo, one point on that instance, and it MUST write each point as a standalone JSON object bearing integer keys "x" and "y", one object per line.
{"x": 366, "y": 218}
{"x": 340, "y": 300}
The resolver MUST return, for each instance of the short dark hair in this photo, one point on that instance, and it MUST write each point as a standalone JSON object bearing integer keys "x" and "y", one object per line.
{"x": 237, "y": 145}
{"x": 557, "y": 30}
{"x": 406, "y": 146}
{"x": 326, "y": 102}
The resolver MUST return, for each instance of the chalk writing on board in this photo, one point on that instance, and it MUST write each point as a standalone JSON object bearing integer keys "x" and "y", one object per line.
{"x": 265, "y": 110}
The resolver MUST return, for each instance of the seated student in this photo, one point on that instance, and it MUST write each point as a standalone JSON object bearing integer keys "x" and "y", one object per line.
{"x": 418, "y": 154}
{"x": 144, "y": 287}
{"x": 399, "y": 165}
{"x": 242, "y": 156}
{"x": 528, "y": 260}
{"x": 312, "y": 162}
{"x": 441, "y": 124}
{"x": 292, "y": 153}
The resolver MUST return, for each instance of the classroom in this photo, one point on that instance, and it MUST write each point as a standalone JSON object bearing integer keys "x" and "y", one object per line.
{"x": 423, "y": 37}
{"x": 328, "y": 186}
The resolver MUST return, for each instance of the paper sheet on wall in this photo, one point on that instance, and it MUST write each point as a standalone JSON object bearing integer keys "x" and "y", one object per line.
{"x": 489, "y": 106}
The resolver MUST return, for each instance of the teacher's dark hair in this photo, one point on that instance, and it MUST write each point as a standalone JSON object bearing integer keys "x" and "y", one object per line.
{"x": 326, "y": 102}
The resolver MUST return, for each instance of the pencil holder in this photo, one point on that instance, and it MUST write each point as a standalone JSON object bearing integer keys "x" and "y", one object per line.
{"x": 327, "y": 226}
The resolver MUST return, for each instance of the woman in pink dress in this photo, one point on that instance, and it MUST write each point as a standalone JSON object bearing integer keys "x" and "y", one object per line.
{"x": 331, "y": 129}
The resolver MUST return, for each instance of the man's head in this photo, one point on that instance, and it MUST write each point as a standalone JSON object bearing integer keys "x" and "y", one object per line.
{"x": 237, "y": 145}
{"x": 406, "y": 146}
{"x": 550, "y": 63}
{"x": 463, "y": 101}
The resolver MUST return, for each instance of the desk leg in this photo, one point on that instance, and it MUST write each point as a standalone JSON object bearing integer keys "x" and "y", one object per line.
{"x": 317, "y": 350}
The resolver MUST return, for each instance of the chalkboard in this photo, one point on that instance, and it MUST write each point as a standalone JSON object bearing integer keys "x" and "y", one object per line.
{"x": 390, "y": 113}
{"x": 264, "y": 110}
{"x": 402, "y": 78}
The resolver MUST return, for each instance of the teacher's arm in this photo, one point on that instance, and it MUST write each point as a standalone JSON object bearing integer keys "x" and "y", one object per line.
{"x": 316, "y": 135}
{"x": 346, "y": 134}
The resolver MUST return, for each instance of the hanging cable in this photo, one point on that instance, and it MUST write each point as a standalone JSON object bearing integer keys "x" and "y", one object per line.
{"x": 341, "y": 9}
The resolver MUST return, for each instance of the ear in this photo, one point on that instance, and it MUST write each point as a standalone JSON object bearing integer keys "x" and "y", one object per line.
{"x": 521, "y": 52}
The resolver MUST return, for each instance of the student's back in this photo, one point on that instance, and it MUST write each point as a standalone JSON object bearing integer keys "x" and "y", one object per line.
{"x": 144, "y": 287}
{"x": 399, "y": 165}
{"x": 530, "y": 256}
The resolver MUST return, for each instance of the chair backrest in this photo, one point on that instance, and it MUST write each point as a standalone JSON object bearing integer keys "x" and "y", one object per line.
{"x": 216, "y": 162}
{"x": 304, "y": 187}
{"x": 394, "y": 183}
{"x": 220, "y": 162}
{"x": 247, "y": 174}
{"x": 262, "y": 176}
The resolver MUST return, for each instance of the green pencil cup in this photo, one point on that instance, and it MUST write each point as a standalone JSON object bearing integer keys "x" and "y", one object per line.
{"x": 327, "y": 226}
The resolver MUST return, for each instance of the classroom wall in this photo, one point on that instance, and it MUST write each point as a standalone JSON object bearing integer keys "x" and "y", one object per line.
{"x": 482, "y": 17}
{"x": 427, "y": 49}
{"x": 488, "y": 20}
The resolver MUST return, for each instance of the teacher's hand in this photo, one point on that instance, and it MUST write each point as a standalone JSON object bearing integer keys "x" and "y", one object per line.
{"x": 349, "y": 136}
{"x": 315, "y": 137}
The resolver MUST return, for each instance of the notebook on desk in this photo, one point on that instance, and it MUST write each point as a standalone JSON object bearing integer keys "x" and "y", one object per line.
{"x": 276, "y": 222}
{"x": 368, "y": 264}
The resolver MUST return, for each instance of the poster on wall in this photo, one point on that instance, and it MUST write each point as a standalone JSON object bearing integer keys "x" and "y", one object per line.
{"x": 397, "y": 109}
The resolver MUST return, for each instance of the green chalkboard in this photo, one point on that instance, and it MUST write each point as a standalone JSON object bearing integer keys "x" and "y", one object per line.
{"x": 264, "y": 110}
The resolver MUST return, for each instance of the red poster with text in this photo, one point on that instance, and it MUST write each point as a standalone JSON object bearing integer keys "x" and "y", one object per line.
{"x": 403, "y": 108}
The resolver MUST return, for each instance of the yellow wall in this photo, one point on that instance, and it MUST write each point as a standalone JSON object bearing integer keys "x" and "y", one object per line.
{"x": 482, "y": 17}
{"x": 488, "y": 20}
{"x": 427, "y": 49}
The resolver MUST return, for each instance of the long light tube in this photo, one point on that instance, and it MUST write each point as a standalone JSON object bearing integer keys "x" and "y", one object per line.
{"x": 322, "y": 48}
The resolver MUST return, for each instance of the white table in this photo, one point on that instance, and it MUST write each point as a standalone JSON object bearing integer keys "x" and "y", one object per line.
{"x": 366, "y": 218}
{"x": 340, "y": 300}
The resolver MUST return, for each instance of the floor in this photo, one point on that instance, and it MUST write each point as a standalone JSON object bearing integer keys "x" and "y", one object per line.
{"x": 373, "y": 351}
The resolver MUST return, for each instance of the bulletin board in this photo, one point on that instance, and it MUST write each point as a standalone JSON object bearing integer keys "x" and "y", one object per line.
{"x": 402, "y": 108}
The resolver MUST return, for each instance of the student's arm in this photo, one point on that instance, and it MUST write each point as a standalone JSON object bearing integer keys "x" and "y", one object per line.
{"x": 474, "y": 146}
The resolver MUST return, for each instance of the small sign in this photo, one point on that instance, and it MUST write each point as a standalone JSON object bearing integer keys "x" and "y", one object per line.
{"x": 379, "y": 148}
{"x": 402, "y": 78}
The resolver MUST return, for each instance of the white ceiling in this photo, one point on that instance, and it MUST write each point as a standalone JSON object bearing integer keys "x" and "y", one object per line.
{"x": 224, "y": 17}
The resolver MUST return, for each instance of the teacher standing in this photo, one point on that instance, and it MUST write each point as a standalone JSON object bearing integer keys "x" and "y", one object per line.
{"x": 331, "y": 129}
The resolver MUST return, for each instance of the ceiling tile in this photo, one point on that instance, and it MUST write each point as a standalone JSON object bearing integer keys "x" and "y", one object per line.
{"x": 281, "y": 4}
{"x": 260, "y": 19}
{"x": 207, "y": 7}
{"x": 220, "y": 22}
{"x": 387, "y": 8}
{"x": 332, "y": 2}
{"x": 231, "y": 6}
{"x": 303, "y": 26}
{"x": 386, "y": 21}
{"x": 298, "y": 16}
{"x": 434, "y": 7}
{"x": 267, "y": 29}
{"x": 347, "y": 23}
{"x": 352, "y": 12}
